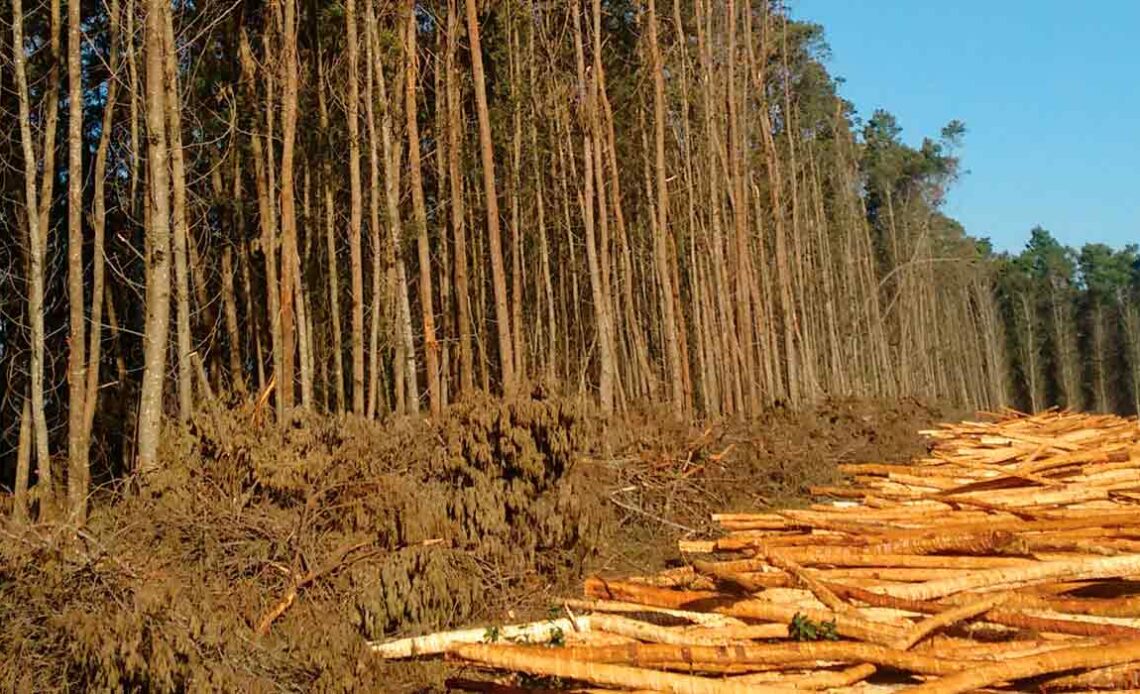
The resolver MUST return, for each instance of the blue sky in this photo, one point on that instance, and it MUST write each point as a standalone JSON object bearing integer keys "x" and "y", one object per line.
{"x": 1049, "y": 91}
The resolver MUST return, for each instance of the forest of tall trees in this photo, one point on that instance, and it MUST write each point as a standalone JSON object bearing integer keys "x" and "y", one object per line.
{"x": 379, "y": 206}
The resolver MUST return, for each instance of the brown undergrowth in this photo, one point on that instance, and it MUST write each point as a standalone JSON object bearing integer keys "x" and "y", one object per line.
{"x": 668, "y": 476}
{"x": 263, "y": 558}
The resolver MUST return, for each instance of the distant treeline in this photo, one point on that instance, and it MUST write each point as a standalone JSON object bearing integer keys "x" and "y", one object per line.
{"x": 1072, "y": 322}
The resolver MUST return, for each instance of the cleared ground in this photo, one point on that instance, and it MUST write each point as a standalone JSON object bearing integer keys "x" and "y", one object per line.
{"x": 264, "y": 557}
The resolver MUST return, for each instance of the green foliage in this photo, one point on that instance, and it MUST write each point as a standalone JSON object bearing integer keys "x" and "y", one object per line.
{"x": 1089, "y": 294}
{"x": 804, "y": 629}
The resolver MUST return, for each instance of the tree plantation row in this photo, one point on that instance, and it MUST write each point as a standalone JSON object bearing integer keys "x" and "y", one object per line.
{"x": 377, "y": 206}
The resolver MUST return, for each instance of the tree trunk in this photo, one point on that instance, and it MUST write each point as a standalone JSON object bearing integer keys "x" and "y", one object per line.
{"x": 36, "y": 250}
{"x": 405, "y": 353}
{"x": 372, "y": 66}
{"x": 330, "y": 245}
{"x": 442, "y": 222}
{"x": 660, "y": 253}
{"x": 587, "y": 97}
{"x": 455, "y": 179}
{"x": 355, "y": 209}
{"x": 158, "y": 247}
{"x": 245, "y": 261}
{"x": 229, "y": 301}
{"x": 23, "y": 464}
{"x": 78, "y": 474}
{"x": 263, "y": 175}
{"x": 51, "y": 121}
{"x": 1032, "y": 370}
{"x": 99, "y": 224}
{"x": 419, "y": 209}
{"x": 289, "y": 259}
{"x": 494, "y": 237}
{"x": 181, "y": 226}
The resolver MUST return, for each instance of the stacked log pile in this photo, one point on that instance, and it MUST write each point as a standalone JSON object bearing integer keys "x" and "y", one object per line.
{"x": 1008, "y": 559}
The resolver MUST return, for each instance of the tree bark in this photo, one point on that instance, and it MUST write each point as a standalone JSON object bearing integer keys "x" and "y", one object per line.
{"x": 330, "y": 244}
{"x": 587, "y": 95}
{"x": 290, "y": 266}
{"x": 494, "y": 236}
{"x": 78, "y": 473}
{"x": 455, "y": 179}
{"x": 181, "y": 224}
{"x": 419, "y": 209}
{"x": 355, "y": 209}
{"x": 36, "y": 251}
{"x": 404, "y": 338}
{"x": 23, "y": 464}
{"x": 372, "y": 66}
{"x": 99, "y": 224}
{"x": 660, "y": 253}
{"x": 158, "y": 247}
{"x": 263, "y": 175}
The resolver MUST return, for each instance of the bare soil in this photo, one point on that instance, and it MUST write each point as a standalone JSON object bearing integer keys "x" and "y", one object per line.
{"x": 263, "y": 558}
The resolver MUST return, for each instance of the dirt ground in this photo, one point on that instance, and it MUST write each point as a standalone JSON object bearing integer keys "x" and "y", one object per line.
{"x": 263, "y": 558}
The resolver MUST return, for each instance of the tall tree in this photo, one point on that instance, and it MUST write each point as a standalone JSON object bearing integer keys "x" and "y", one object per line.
{"x": 660, "y": 252}
{"x": 356, "y": 206}
{"x": 78, "y": 473}
{"x": 419, "y": 208}
{"x": 290, "y": 264}
{"x": 455, "y": 181}
{"x": 158, "y": 243}
{"x": 36, "y": 250}
{"x": 491, "y": 203}
{"x": 181, "y": 237}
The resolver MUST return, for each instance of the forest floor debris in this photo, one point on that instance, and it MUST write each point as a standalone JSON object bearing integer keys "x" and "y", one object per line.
{"x": 1006, "y": 558}
{"x": 266, "y": 558}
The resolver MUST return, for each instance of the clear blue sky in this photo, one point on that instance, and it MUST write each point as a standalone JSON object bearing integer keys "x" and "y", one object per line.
{"x": 1049, "y": 91}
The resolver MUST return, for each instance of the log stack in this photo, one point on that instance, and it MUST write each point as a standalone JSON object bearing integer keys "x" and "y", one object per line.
{"x": 1008, "y": 559}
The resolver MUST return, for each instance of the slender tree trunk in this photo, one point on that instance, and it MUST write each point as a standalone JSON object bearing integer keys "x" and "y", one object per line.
{"x": 237, "y": 378}
{"x": 158, "y": 247}
{"x": 245, "y": 261}
{"x": 587, "y": 96}
{"x": 596, "y": 100}
{"x": 181, "y": 225}
{"x": 23, "y": 463}
{"x": 739, "y": 197}
{"x": 304, "y": 339}
{"x": 229, "y": 297}
{"x": 263, "y": 174}
{"x": 419, "y": 209}
{"x": 99, "y": 225}
{"x": 487, "y": 157}
{"x": 36, "y": 250}
{"x": 372, "y": 66}
{"x": 1100, "y": 358}
{"x": 668, "y": 318}
{"x": 517, "y": 328}
{"x": 406, "y": 353}
{"x": 442, "y": 223}
{"x": 289, "y": 259}
{"x": 330, "y": 245}
{"x": 455, "y": 179}
{"x": 136, "y": 93}
{"x": 78, "y": 474}
{"x": 551, "y": 347}
{"x": 1033, "y": 370}
{"x": 50, "y": 127}
{"x": 356, "y": 208}
{"x": 230, "y": 304}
